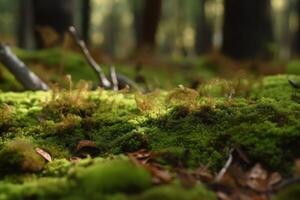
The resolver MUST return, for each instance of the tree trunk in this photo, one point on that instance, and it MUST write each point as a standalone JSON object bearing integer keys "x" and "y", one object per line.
{"x": 137, "y": 11}
{"x": 55, "y": 14}
{"x": 24, "y": 32}
{"x": 151, "y": 16}
{"x": 203, "y": 31}
{"x": 296, "y": 46}
{"x": 86, "y": 20}
{"x": 247, "y": 30}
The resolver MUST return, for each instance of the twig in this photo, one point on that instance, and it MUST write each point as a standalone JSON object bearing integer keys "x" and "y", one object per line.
{"x": 122, "y": 80}
{"x": 294, "y": 84}
{"x": 225, "y": 168}
{"x": 114, "y": 78}
{"x": 97, "y": 68}
{"x": 22, "y": 73}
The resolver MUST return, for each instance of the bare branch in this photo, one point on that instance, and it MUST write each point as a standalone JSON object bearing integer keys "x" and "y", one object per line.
{"x": 22, "y": 73}
{"x": 97, "y": 68}
{"x": 114, "y": 78}
{"x": 225, "y": 168}
{"x": 122, "y": 80}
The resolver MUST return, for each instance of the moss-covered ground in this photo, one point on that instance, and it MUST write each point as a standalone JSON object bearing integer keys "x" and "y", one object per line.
{"x": 183, "y": 127}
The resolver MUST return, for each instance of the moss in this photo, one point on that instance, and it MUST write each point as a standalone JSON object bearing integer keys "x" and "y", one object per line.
{"x": 6, "y": 117}
{"x": 275, "y": 87}
{"x": 265, "y": 126}
{"x": 19, "y": 156}
{"x": 293, "y": 67}
{"x": 174, "y": 192}
{"x": 130, "y": 142}
{"x": 113, "y": 177}
{"x": 290, "y": 193}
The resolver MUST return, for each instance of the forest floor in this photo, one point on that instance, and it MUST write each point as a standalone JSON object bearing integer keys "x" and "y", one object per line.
{"x": 236, "y": 139}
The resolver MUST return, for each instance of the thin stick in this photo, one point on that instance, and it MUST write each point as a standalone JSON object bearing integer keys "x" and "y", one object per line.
{"x": 225, "y": 168}
{"x": 22, "y": 73}
{"x": 122, "y": 80}
{"x": 97, "y": 68}
{"x": 114, "y": 78}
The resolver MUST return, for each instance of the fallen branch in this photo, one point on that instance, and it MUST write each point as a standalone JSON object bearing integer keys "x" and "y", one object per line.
{"x": 114, "y": 78}
{"x": 21, "y": 72}
{"x": 104, "y": 82}
{"x": 122, "y": 80}
{"x": 225, "y": 168}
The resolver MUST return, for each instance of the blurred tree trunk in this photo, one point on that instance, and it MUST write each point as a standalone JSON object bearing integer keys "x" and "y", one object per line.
{"x": 55, "y": 14}
{"x": 137, "y": 11}
{"x": 203, "y": 31}
{"x": 247, "y": 30}
{"x": 150, "y": 21}
{"x": 24, "y": 32}
{"x": 296, "y": 47}
{"x": 86, "y": 19}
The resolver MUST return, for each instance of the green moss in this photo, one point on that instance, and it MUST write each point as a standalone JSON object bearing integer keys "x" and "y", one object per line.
{"x": 19, "y": 156}
{"x": 290, "y": 193}
{"x": 182, "y": 130}
{"x": 114, "y": 177}
{"x": 175, "y": 192}
{"x": 293, "y": 67}
{"x": 130, "y": 142}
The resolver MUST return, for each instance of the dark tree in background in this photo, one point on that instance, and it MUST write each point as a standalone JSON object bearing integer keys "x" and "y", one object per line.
{"x": 136, "y": 7}
{"x": 247, "y": 30}
{"x": 296, "y": 46}
{"x": 203, "y": 31}
{"x": 86, "y": 19}
{"x": 56, "y": 14}
{"x": 24, "y": 33}
{"x": 150, "y": 20}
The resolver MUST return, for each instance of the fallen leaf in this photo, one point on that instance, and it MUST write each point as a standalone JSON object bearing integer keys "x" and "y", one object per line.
{"x": 87, "y": 147}
{"x": 275, "y": 178}
{"x": 44, "y": 154}
{"x": 186, "y": 178}
{"x": 257, "y": 178}
{"x": 203, "y": 174}
{"x": 144, "y": 159}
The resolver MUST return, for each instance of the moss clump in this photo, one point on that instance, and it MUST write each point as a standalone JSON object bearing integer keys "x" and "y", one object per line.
{"x": 69, "y": 102}
{"x": 6, "y": 117}
{"x": 290, "y": 193}
{"x": 19, "y": 156}
{"x": 175, "y": 192}
{"x": 131, "y": 142}
{"x": 183, "y": 97}
{"x": 265, "y": 126}
{"x": 114, "y": 177}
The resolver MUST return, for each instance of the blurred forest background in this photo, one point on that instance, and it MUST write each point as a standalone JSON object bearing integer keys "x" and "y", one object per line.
{"x": 172, "y": 27}
{"x": 262, "y": 33}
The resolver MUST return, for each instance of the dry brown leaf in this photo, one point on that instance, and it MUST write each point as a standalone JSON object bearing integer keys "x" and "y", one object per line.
{"x": 143, "y": 158}
{"x": 274, "y": 178}
{"x": 203, "y": 174}
{"x": 87, "y": 147}
{"x": 257, "y": 178}
{"x": 44, "y": 154}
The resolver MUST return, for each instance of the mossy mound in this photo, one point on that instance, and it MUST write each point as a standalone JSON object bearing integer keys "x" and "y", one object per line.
{"x": 184, "y": 127}
{"x": 96, "y": 179}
